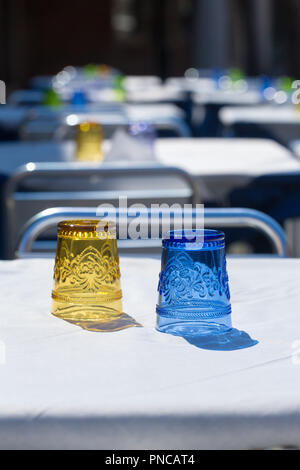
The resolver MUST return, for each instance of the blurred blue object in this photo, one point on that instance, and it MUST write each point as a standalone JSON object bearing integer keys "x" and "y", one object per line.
{"x": 145, "y": 133}
{"x": 194, "y": 296}
{"x": 266, "y": 82}
{"x": 79, "y": 98}
{"x": 217, "y": 74}
{"x": 267, "y": 87}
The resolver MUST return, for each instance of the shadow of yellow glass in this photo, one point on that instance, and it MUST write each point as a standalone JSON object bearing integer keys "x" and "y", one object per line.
{"x": 87, "y": 284}
{"x": 109, "y": 325}
{"x": 89, "y": 140}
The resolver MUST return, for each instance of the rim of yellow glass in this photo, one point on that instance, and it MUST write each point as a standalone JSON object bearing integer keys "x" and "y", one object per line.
{"x": 84, "y": 228}
{"x": 88, "y": 126}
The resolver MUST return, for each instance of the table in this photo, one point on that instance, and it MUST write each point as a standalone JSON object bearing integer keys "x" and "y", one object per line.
{"x": 156, "y": 94}
{"x": 199, "y": 156}
{"x": 281, "y": 122}
{"x": 227, "y": 97}
{"x": 213, "y": 101}
{"x": 230, "y": 156}
{"x": 67, "y": 388}
{"x": 227, "y": 164}
{"x": 272, "y": 114}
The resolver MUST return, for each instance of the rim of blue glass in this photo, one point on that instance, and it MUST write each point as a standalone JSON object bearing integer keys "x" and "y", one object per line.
{"x": 192, "y": 235}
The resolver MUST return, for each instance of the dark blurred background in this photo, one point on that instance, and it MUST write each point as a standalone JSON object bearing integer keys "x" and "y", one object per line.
{"x": 162, "y": 37}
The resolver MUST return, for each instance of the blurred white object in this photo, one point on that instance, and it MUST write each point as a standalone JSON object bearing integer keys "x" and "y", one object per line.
{"x": 138, "y": 83}
{"x": 129, "y": 148}
{"x": 295, "y": 147}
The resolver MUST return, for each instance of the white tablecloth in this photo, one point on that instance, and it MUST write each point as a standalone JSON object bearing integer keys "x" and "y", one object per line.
{"x": 226, "y": 164}
{"x": 264, "y": 114}
{"x": 278, "y": 122}
{"x": 200, "y": 157}
{"x": 219, "y": 156}
{"x": 222, "y": 97}
{"x": 156, "y": 94}
{"x": 64, "y": 387}
{"x": 203, "y": 84}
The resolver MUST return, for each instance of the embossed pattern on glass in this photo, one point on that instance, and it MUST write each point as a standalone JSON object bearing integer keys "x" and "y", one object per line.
{"x": 193, "y": 285}
{"x": 86, "y": 274}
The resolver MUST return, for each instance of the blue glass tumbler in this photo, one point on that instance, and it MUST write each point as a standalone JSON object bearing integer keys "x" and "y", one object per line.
{"x": 194, "y": 296}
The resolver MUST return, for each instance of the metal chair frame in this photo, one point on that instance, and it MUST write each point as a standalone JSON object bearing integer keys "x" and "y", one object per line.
{"x": 212, "y": 218}
{"x": 76, "y": 170}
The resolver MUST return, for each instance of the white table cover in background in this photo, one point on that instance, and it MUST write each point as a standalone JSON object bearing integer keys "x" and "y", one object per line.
{"x": 222, "y": 97}
{"x": 281, "y": 122}
{"x": 162, "y": 93}
{"x": 64, "y": 387}
{"x": 199, "y": 156}
{"x": 203, "y": 84}
{"x": 226, "y": 164}
{"x": 204, "y": 92}
{"x": 264, "y": 114}
{"x": 220, "y": 156}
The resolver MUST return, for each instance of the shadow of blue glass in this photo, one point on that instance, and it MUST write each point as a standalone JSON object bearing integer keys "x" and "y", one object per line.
{"x": 212, "y": 336}
{"x": 228, "y": 341}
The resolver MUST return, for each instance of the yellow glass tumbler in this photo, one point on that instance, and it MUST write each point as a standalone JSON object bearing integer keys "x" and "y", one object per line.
{"x": 87, "y": 274}
{"x": 89, "y": 142}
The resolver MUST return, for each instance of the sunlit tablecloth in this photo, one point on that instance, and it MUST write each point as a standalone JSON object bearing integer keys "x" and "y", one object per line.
{"x": 271, "y": 114}
{"x": 198, "y": 156}
{"x": 279, "y": 122}
{"x": 221, "y": 97}
{"x": 220, "y": 156}
{"x": 227, "y": 164}
{"x": 64, "y": 387}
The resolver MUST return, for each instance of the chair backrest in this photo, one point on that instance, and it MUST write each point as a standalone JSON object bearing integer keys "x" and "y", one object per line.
{"x": 246, "y": 218}
{"x": 36, "y": 187}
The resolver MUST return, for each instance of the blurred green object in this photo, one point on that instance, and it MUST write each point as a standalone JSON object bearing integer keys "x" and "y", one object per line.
{"x": 285, "y": 83}
{"x": 118, "y": 85}
{"x": 51, "y": 98}
{"x": 119, "y": 82}
{"x": 90, "y": 70}
{"x": 236, "y": 74}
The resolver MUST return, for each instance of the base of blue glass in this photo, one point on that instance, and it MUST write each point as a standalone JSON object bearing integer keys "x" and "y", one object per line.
{"x": 193, "y": 327}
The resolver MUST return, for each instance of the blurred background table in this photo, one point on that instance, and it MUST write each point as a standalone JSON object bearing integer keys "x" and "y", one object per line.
{"x": 213, "y": 100}
{"x": 279, "y": 122}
